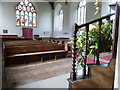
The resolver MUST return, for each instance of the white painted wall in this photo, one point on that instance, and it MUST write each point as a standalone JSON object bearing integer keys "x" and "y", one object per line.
{"x": 90, "y": 10}
{"x": 44, "y": 28}
{"x": 0, "y": 17}
{"x": 105, "y": 9}
{"x": 70, "y": 11}
{"x": 73, "y": 16}
{"x": 44, "y": 20}
{"x": 65, "y": 9}
{"x": 8, "y": 19}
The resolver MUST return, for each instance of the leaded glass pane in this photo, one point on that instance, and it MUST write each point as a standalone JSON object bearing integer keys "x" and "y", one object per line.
{"x": 84, "y": 2}
{"x": 78, "y": 12}
{"x": 85, "y": 14}
{"x": 30, "y": 4}
{"x": 81, "y": 12}
{"x": 34, "y": 19}
{"x": 22, "y": 18}
{"x": 26, "y": 18}
{"x": 17, "y": 18}
{"x": 24, "y": 8}
{"x": 19, "y": 7}
{"x": 32, "y": 9}
{"x": 80, "y": 4}
{"x": 28, "y": 8}
{"x": 25, "y": 14}
{"x": 21, "y": 2}
{"x": 61, "y": 11}
{"x": 26, "y": 2}
{"x": 30, "y": 19}
{"x": 82, "y": 15}
{"x": 60, "y": 20}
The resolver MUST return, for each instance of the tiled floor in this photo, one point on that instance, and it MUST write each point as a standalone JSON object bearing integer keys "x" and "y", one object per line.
{"x": 55, "y": 82}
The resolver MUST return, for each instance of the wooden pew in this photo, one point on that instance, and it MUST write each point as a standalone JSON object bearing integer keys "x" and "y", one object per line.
{"x": 8, "y": 36}
{"x": 57, "y": 41}
{"x": 32, "y": 50}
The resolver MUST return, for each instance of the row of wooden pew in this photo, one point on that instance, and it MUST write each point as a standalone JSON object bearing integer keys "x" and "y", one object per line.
{"x": 26, "y": 51}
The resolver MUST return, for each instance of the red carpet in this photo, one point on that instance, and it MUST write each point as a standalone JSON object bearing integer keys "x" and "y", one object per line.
{"x": 90, "y": 60}
{"x": 108, "y": 57}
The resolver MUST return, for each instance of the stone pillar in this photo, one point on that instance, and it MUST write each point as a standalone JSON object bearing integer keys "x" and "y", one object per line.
{"x": 52, "y": 23}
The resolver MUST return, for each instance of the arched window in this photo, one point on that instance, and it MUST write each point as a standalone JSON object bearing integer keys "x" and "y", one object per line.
{"x": 25, "y": 14}
{"x": 60, "y": 20}
{"x": 81, "y": 12}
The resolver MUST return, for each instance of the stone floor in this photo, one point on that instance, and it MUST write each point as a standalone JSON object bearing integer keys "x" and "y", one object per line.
{"x": 37, "y": 71}
{"x": 55, "y": 82}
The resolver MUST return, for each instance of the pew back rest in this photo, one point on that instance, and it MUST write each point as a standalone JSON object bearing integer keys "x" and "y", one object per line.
{"x": 25, "y": 43}
{"x": 19, "y": 47}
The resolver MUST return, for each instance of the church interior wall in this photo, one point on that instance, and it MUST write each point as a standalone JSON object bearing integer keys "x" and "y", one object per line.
{"x": 44, "y": 18}
{"x": 0, "y": 17}
{"x": 44, "y": 21}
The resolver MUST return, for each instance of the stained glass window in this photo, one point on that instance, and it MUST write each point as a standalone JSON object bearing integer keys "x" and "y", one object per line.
{"x": 60, "y": 20}
{"x": 81, "y": 12}
{"x": 26, "y": 14}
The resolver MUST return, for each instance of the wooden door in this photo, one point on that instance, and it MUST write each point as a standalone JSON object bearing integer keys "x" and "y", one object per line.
{"x": 27, "y": 33}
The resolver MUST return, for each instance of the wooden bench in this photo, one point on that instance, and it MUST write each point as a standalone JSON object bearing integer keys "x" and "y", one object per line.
{"x": 32, "y": 51}
{"x": 57, "y": 41}
{"x": 38, "y": 53}
{"x": 8, "y": 36}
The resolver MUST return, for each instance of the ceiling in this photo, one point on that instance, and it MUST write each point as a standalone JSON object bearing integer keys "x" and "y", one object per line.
{"x": 52, "y": 4}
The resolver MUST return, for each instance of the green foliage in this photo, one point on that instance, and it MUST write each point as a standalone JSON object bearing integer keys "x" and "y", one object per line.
{"x": 81, "y": 63}
{"x": 106, "y": 40}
